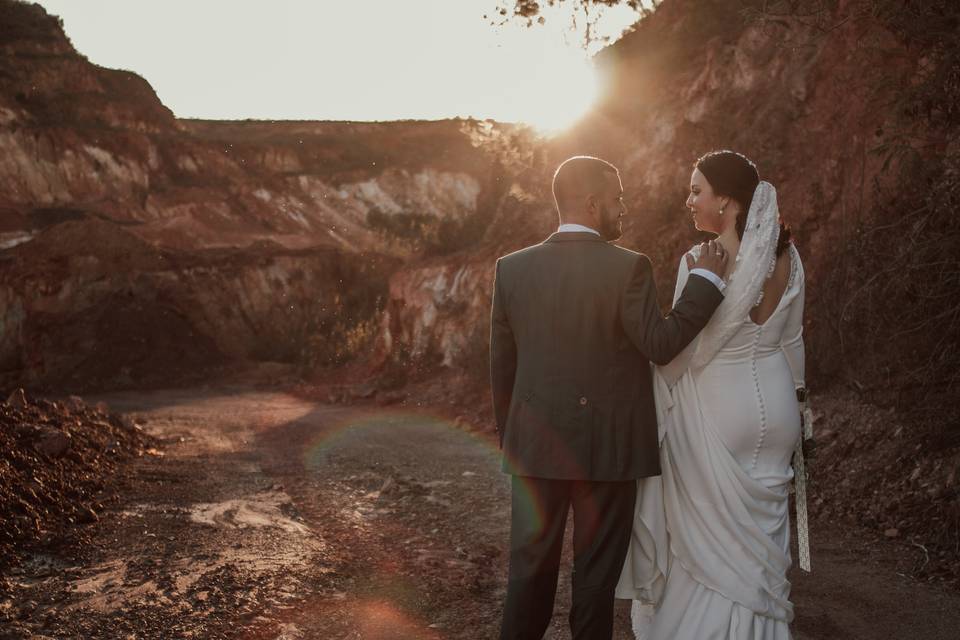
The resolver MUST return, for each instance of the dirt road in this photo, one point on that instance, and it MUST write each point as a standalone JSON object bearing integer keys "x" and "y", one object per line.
{"x": 274, "y": 517}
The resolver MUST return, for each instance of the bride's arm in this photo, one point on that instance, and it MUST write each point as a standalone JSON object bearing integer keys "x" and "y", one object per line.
{"x": 792, "y": 340}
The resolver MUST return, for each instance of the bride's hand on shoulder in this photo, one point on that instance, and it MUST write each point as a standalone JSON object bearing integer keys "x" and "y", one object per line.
{"x": 713, "y": 257}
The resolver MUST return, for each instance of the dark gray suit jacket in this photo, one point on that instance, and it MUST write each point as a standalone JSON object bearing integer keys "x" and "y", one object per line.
{"x": 575, "y": 324}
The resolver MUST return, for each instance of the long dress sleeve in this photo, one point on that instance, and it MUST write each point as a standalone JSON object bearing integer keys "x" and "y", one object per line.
{"x": 792, "y": 339}
{"x": 675, "y": 368}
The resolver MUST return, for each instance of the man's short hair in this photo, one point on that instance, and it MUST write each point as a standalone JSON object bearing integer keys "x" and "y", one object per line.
{"x": 580, "y": 176}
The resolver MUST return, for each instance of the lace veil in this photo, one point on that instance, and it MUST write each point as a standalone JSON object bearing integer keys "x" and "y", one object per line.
{"x": 754, "y": 264}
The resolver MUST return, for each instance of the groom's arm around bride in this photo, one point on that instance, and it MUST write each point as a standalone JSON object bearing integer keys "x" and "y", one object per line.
{"x": 659, "y": 338}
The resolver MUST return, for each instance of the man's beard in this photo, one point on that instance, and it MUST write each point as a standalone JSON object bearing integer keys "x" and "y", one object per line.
{"x": 610, "y": 226}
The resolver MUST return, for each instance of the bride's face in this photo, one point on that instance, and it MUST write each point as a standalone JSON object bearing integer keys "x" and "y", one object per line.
{"x": 704, "y": 204}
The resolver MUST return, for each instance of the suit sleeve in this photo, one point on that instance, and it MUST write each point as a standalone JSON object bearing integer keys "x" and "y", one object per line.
{"x": 657, "y": 337}
{"x": 503, "y": 356}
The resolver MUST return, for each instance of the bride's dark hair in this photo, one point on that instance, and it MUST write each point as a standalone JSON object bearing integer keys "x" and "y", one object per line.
{"x": 733, "y": 175}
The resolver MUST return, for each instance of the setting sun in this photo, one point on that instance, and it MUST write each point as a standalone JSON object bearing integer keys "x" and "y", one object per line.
{"x": 562, "y": 90}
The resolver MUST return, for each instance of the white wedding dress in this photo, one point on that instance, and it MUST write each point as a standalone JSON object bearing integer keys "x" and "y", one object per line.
{"x": 710, "y": 549}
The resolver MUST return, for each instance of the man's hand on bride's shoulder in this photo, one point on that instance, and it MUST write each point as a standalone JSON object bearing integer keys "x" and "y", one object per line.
{"x": 712, "y": 257}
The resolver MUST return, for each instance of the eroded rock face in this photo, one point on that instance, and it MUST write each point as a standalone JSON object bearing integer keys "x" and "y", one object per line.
{"x": 89, "y": 305}
{"x": 369, "y": 187}
{"x": 137, "y": 247}
{"x": 436, "y": 311}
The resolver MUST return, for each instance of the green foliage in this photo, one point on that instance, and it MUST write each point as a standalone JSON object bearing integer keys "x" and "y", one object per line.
{"x": 585, "y": 16}
{"x": 427, "y": 234}
{"x": 340, "y": 341}
{"x": 344, "y": 327}
{"x": 531, "y": 10}
{"x": 517, "y": 150}
{"x": 408, "y": 226}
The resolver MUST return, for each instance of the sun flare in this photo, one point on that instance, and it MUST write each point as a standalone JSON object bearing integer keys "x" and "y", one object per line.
{"x": 563, "y": 90}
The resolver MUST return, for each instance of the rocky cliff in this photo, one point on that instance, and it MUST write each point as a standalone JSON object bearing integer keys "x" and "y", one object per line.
{"x": 140, "y": 247}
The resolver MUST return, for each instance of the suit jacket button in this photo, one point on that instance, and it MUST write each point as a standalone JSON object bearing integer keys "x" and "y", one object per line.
{"x": 583, "y": 401}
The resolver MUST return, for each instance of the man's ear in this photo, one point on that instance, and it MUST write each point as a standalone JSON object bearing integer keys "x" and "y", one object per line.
{"x": 592, "y": 204}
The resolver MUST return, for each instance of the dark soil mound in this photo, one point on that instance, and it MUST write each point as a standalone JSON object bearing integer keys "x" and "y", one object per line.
{"x": 895, "y": 473}
{"x": 56, "y": 463}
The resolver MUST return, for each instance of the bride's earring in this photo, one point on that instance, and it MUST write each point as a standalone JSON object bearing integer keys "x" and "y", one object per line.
{"x": 721, "y": 211}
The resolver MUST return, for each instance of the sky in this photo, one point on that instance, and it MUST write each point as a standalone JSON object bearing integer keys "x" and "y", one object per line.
{"x": 342, "y": 59}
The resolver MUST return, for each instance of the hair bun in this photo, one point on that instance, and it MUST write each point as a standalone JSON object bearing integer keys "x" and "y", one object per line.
{"x": 735, "y": 176}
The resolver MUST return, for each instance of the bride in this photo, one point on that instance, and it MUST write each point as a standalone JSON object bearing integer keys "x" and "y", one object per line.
{"x": 710, "y": 547}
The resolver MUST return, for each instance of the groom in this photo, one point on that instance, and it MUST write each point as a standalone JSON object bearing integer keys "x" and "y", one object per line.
{"x": 575, "y": 324}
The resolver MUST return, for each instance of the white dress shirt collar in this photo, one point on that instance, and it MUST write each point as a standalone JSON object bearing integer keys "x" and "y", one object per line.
{"x": 571, "y": 227}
